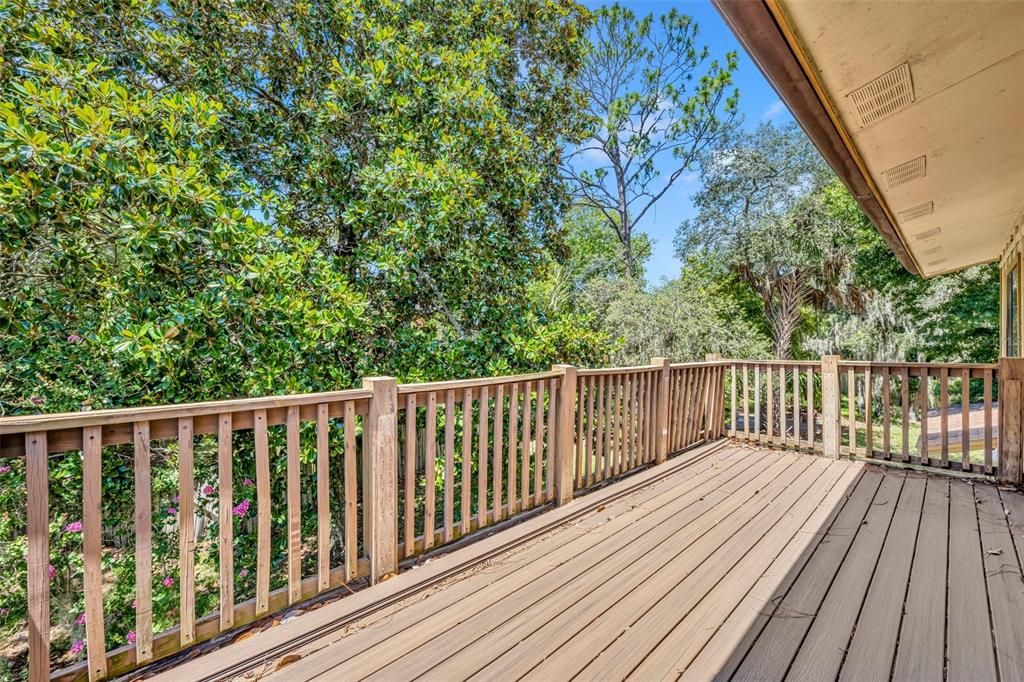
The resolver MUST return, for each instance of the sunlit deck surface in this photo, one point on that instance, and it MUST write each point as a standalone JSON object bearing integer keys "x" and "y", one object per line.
{"x": 729, "y": 563}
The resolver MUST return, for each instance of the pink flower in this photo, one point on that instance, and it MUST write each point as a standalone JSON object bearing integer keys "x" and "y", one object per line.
{"x": 81, "y": 619}
{"x": 241, "y": 509}
{"x": 135, "y": 603}
{"x": 52, "y": 571}
{"x": 73, "y": 527}
{"x": 168, "y": 581}
{"x": 171, "y": 511}
{"x": 175, "y": 499}
{"x": 36, "y": 400}
{"x": 76, "y": 647}
{"x": 207, "y": 489}
{"x": 130, "y": 637}
{"x": 74, "y": 338}
{"x": 247, "y": 482}
{"x": 243, "y": 573}
{"x": 4, "y": 612}
{"x": 5, "y": 469}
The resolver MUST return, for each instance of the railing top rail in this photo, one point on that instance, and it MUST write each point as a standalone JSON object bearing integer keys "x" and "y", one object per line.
{"x": 701, "y": 363}
{"x": 430, "y": 387}
{"x": 925, "y": 365}
{"x": 122, "y": 415}
{"x": 638, "y": 369}
{"x": 774, "y": 363}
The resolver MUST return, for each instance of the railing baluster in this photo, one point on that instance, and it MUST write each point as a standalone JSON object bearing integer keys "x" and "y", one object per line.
{"x": 746, "y": 404}
{"x": 513, "y": 446}
{"x": 886, "y": 414}
{"x": 905, "y": 405}
{"x": 582, "y": 424}
{"x": 496, "y": 467}
{"x": 524, "y": 472}
{"x": 923, "y": 397}
{"x": 466, "y": 480}
{"x": 965, "y": 419}
{"x": 37, "y": 480}
{"x": 294, "y": 492}
{"x": 988, "y": 420}
{"x": 796, "y": 406}
{"x": 143, "y": 545}
{"x": 869, "y": 408}
{"x": 757, "y": 401}
{"x": 483, "y": 416}
{"x": 549, "y": 430}
{"x": 944, "y": 414}
{"x": 810, "y": 408}
{"x": 186, "y": 531}
{"x": 770, "y": 396}
{"x": 783, "y": 422}
{"x": 323, "y": 500}
{"x": 92, "y": 551}
{"x": 851, "y": 411}
{"x": 226, "y": 540}
{"x": 732, "y": 405}
{"x": 410, "y": 474}
{"x": 352, "y": 492}
{"x": 430, "y": 472}
{"x": 449, "y": 466}
{"x": 604, "y": 397}
{"x": 593, "y": 434}
{"x": 538, "y": 443}
{"x": 262, "y": 451}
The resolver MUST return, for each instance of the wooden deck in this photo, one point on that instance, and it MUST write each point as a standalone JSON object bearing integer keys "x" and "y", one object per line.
{"x": 733, "y": 563}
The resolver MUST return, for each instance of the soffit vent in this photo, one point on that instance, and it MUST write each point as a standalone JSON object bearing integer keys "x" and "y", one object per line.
{"x": 932, "y": 251}
{"x": 917, "y": 211}
{"x": 905, "y": 172}
{"x": 937, "y": 262}
{"x": 928, "y": 234}
{"x": 889, "y": 93}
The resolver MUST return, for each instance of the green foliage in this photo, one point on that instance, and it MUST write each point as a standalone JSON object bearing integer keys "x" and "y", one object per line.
{"x": 767, "y": 211}
{"x": 654, "y": 98}
{"x": 949, "y": 318}
{"x": 204, "y": 200}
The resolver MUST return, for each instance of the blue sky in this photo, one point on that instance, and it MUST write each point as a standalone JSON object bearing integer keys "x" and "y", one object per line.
{"x": 758, "y": 102}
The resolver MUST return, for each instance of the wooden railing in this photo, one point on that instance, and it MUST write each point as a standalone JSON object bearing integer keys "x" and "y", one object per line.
{"x": 929, "y": 414}
{"x": 394, "y": 470}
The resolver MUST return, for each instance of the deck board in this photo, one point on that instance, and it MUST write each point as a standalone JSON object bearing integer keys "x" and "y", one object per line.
{"x": 743, "y": 564}
{"x": 921, "y": 650}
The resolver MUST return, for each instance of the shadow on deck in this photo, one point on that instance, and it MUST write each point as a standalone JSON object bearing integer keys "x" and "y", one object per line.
{"x": 735, "y": 563}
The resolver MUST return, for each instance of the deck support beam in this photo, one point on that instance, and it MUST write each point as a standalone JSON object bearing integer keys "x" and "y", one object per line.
{"x": 1011, "y": 418}
{"x": 381, "y": 479}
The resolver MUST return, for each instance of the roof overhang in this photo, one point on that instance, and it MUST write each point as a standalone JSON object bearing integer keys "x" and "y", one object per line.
{"x": 918, "y": 106}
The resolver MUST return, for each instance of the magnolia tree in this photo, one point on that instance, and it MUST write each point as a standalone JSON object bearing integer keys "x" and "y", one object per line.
{"x": 767, "y": 210}
{"x": 656, "y": 100}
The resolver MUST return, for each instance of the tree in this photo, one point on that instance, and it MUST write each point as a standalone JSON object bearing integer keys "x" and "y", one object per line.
{"x": 656, "y": 103}
{"x": 767, "y": 209}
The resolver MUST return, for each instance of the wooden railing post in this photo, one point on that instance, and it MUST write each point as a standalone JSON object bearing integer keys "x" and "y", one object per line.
{"x": 380, "y": 495}
{"x": 830, "y": 420}
{"x": 564, "y": 431}
{"x": 1011, "y": 418}
{"x": 661, "y": 428}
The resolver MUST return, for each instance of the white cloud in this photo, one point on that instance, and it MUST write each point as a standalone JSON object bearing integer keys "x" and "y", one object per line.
{"x": 773, "y": 110}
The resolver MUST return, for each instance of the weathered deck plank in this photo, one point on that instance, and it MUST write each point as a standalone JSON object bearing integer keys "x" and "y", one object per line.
{"x": 921, "y": 651}
{"x": 873, "y": 645}
{"x": 969, "y": 644}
